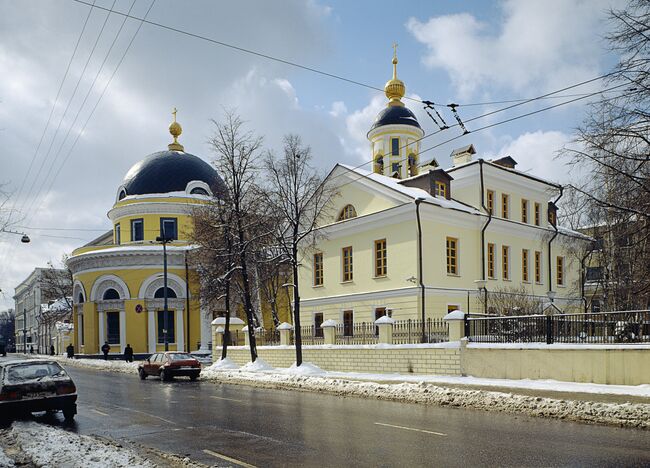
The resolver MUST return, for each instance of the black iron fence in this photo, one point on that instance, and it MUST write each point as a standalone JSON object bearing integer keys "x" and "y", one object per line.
{"x": 265, "y": 337}
{"x": 411, "y": 331}
{"x": 600, "y": 328}
{"x": 310, "y": 335}
{"x": 357, "y": 333}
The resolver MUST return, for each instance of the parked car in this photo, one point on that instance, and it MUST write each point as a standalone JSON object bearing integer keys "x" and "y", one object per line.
{"x": 170, "y": 364}
{"x": 29, "y": 386}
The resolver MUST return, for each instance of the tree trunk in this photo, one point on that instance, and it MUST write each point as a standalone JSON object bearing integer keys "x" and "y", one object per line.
{"x": 296, "y": 309}
{"x": 248, "y": 303}
{"x": 226, "y": 332}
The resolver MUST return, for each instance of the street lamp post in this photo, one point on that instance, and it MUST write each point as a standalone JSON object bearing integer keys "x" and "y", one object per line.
{"x": 481, "y": 286}
{"x": 164, "y": 240}
{"x": 25, "y": 329}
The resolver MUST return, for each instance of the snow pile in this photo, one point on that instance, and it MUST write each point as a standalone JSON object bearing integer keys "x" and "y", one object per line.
{"x": 42, "y": 445}
{"x": 625, "y": 415}
{"x": 260, "y": 365}
{"x": 5, "y": 461}
{"x": 222, "y": 364}
{"x": 99, "y": 364}
{"x": 306, "y": 368}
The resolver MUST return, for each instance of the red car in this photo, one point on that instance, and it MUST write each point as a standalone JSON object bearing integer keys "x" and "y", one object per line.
{"x": 170, "y": 364}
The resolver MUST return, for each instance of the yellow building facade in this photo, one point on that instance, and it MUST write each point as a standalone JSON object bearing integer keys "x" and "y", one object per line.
{"x": 118, "y": 283}
{"x": 410, "y": 239}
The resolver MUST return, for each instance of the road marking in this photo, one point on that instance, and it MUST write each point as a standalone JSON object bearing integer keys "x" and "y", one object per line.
{"x": 231, "y": 460}
{"x": 99, "y": 412}
{"x": 411, "y": 429}
{"x": 145, "y": 413}
{"x": 229, "y": 399}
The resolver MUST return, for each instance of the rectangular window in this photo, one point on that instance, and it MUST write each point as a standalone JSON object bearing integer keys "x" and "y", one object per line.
{"x": 348, "y": 323}
{"x": 394, "y": 146}
{"x": 524, "y": 265}
{"x": 170, "y": 326}
{"x": 346, "y": 254}
{"x": 505, "y": 206}
{"x": 560, "y": 271}
{"x": 452, "y": 256}
{"x": 381, "y": 267}
{"x": 552, "y": 217}
{"x": 538, "y": 214}
{"x": 490, "y": 201}
{"x": 441, "y": 189}
{"x": 318, "y": 269}
{"x": 318, "y": 321}
{"x": 117, "y": 234}
{"x": 490, "y": 265}
{"x": 524, "y": 211}
{"x": 538, "y": 266}
{"x": 505, "y": 262}
{"x": 395, "y": 167}
{"x": 137, "y": 230}
{"x": 169, "y": 228}
{"x": 113, "y": 327}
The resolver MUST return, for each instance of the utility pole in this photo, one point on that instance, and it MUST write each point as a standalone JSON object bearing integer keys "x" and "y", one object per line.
{"x": 25, "y": 329}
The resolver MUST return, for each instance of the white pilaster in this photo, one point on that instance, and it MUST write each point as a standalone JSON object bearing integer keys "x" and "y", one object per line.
{"x": 122, "y": 330}
{"x": 180, "y": 330}
{"x": 151, "y": 330}
{"x": 80, "y": 330}
{"x": 206, "y": 329}
{"x": 101, "y": 328}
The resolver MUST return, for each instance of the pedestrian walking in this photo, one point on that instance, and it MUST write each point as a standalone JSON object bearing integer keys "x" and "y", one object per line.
{"x": 70, "y": 351}
{"x": 105, "y": 349}
{"x": 51, "y": 350}
{"x": 31, "y": 350}
{"x": 128, "y": 353}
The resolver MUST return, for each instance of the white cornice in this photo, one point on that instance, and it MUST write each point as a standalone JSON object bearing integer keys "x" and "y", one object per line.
{"x": 134, "y": 209}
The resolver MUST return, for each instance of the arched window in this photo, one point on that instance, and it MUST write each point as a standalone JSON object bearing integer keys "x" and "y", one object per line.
{"x": 160, "y": 293}
{"x": 379, "y": 164}
{"x": 80, "y": 299}
{"x": 199, "y": 191}
{"x": 347, "y": 212}
{"x": 122, "y": 194}
{"x": 110, "y": 294}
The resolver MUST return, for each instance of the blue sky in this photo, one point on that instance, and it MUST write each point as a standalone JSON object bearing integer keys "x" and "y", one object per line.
{"x": 465, "y": 52}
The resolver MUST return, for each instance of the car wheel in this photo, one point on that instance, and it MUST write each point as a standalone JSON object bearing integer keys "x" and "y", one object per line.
{"x": 193, "y": 377}
{"x": 164, "y": 376}
{"x": 142, "y": 373}
{"x": 69, "y": 412}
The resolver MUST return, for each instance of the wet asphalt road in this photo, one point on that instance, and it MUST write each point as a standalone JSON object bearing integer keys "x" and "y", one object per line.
{"x": 208, "y": 421}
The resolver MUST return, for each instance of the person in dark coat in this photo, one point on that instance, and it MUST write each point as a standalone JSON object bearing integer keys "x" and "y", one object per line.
{"x": 128, "y": 353}
{"x": 70, "y": 350}
{"x": 105, "y": 349}
{"x": 51, "y": 350}
{"x": 31, "y": 350}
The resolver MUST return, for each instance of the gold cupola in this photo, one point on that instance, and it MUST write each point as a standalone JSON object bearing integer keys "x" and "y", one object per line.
{"x": 175, "y": 129}
{"x": 395, "y": 88}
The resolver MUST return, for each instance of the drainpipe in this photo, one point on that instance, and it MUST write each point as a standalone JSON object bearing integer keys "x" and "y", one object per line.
{"x": 487, "y": 223}
{"x": 584, "y": 278}
{"x": 555, "y": 234}
{"x": 417, "y": 215}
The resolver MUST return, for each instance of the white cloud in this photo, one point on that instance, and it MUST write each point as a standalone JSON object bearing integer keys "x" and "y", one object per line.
{"x": 539, "y": 153}
{"x": 540, "y": 45}
{"x": 338, "y": 108}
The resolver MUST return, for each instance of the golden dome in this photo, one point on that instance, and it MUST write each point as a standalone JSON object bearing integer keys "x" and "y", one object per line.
{"x": 175, "y": 129}
{"x": 395, "y": 88}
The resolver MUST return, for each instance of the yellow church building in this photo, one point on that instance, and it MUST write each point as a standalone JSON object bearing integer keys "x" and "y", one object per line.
{"x": 410, "y": 239}
{"x": 118, "y": 278}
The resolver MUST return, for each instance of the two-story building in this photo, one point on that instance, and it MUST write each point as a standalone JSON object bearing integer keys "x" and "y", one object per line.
{"x": 413, "y": 240}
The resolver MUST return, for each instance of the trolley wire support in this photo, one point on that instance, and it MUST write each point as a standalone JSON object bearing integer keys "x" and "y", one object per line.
{"x": 453, "y": 107}
{"x": 431, "y": 105}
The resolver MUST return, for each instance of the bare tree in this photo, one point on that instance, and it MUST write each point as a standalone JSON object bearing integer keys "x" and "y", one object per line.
{"x": 56, "y": 290}
{"x": 508, "y": 301}
{"x": 237, "y": 151}
{"x": 300, "y": 196}
{"x": 613, "y": 147}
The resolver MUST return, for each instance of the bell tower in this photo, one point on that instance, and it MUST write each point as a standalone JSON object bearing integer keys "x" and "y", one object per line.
{"x": 394, "y": 136}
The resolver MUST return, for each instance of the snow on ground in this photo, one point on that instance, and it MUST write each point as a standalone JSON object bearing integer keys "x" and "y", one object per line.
{"x": 114, "y": 366}
{"x": 222, "y": 364}
{"x": 259, "y": 365}
{"x": 5, "y": 461}
{"x": 49, "y": 446}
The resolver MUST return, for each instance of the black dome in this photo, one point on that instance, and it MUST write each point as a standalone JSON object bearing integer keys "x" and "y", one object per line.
{"x": 395, "y": 115}
{"x": 170, "y": 171}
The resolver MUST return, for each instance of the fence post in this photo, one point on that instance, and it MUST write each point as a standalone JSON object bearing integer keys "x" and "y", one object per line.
{"x": 285, "y": 333}
{"x": 217, "y": 336}
{"x": 247, "y": 340}
{"x": 456, "y": 321}
{"x": 385, "y": 325}
{"x": 549, "y": 329}
{"x": 329, "y": 331}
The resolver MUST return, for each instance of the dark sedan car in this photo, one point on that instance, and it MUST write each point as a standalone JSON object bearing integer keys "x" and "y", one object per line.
{"x": 170, "y": 364}
{"x": 29, "y": 386}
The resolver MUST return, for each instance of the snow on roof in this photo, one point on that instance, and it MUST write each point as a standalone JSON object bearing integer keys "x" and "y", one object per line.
{"x": 139, "y": 247}
{"x": 498, "y": 166}
{"x": 180, "y": 193}
{"x": 411, "y": 192}
{"x": 570, "y": 232}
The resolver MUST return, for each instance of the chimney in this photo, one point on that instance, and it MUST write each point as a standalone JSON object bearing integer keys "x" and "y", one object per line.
{"x": 462, "y": 155}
